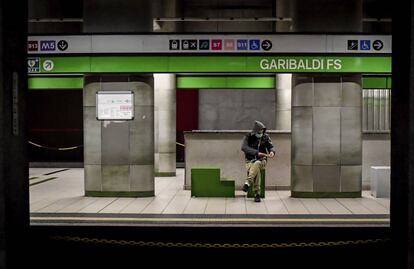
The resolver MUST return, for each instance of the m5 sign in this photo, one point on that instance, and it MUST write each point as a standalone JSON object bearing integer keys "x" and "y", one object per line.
{"x": 47, "y": 45}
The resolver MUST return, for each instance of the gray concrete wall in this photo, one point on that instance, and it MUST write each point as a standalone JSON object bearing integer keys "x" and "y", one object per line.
{"x": 236, "y": 109}
{"x": 327, "y": 16}
{"x": 228, "y": 9}
{"x": 222, "y": 149}
{"x": 119, "y": 155}
{"x": 108, "y": 16}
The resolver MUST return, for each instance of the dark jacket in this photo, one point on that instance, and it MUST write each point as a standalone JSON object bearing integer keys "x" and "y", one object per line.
{"x": 252, "y": 145}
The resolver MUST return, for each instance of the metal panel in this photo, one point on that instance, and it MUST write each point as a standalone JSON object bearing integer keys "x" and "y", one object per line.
{"x": 141, "y": 143}
{"x": 387, "y": 110}
{"x": 390, "y": 104}
{"x": 351, "y": 136}
{"x": 302, "y": 135}
{"x": 302, "y": 178}
{"x": 351, "y": 178}
{"x": 326, "y": 178}
{"x": 115, "y": 177}
{"x": 365, "y": 110}
{"x": 91, "y": 136}
{"x": 141, "y": 178}
{"x": 351, "y": 94}
{"x": 115, "y": 142}
{"x": 302, "y": 94}
{"x": 327, "y": 94}
{"x": 370, "y": 110}
{"x": 376, "y": 110}
{"x": 326, "y": 135}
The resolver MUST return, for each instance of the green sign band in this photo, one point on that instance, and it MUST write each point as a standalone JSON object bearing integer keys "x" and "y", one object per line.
{"x": 45, "y": 83}
{"x": 216, "y": 82}
{"x": 197, "y": 82}
{"x": 376, "y": 82}
{"x": 214, "y": 64}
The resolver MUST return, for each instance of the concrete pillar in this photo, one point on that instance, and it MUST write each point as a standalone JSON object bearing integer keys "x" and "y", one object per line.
{"x": 326, "y": 112}
{"x": 283, "y": 101}
{"x": 284, "y": 9}
{"x": 119, "y": 155}
{"x": 165, "y": 124}
{"x": 14, "y": 183}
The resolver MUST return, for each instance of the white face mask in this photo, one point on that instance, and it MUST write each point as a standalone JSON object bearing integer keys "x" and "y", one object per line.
{"x": 259, "y": 135}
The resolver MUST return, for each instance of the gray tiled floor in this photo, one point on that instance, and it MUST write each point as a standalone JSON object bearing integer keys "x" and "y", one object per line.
{"x": 65, "y": 194}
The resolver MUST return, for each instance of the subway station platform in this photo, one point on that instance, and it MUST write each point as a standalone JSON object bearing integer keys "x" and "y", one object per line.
{"x": 57, "y": 198}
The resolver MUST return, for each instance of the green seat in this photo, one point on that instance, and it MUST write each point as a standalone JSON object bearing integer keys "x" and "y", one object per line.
{"x": 250, "y": 193}
{"x": 206, "y": 182}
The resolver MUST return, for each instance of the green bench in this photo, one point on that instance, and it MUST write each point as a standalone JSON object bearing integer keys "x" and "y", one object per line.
{"x": 250, "y": 193}
{"x": 206, "y": 182}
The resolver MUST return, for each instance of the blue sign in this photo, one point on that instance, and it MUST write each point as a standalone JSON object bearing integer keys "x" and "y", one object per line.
{"x": 242, "y": 44}
{"x": 254, "y": 44}
{"x": 364, "y": 44}
{"x": 47, "y": 45}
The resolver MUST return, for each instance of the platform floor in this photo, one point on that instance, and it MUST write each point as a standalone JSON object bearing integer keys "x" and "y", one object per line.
{"x": 57, "y": 198}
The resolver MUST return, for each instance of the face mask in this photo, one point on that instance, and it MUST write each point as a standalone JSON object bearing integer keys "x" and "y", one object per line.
{"x": 259, "y": 135}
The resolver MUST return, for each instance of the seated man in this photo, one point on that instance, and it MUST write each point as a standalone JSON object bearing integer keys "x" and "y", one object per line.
{"x": 257, "y": 147}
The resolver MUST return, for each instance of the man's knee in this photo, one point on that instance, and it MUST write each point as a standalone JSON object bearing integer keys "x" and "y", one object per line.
{"x": 257, "y": 163}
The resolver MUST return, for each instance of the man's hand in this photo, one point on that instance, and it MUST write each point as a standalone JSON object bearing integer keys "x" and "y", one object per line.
{"x": 271, "y": 154}
{"x": 262, "y": 155}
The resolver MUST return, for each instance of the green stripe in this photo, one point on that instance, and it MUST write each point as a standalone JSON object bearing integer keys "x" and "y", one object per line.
{"x": 226, "y": 82}
{"x": 55, "y": 83}
{"x": 300, "y": 194}
{"x": 242, "y": 64}
{"x": 374, "y": 83}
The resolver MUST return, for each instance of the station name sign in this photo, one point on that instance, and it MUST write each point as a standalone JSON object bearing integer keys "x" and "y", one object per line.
{"x": 301, "y": 64}
{"x": 209, "y": 44}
